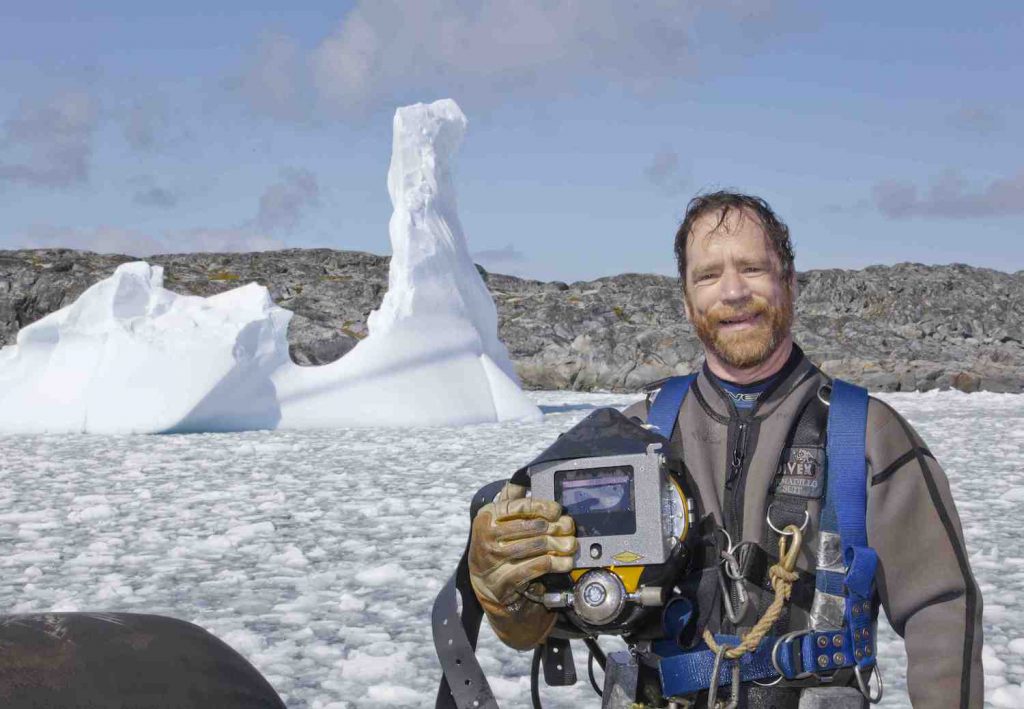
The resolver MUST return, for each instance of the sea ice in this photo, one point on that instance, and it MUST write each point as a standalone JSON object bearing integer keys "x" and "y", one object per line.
{"x": 131, "y": 356}
{"x": 359, "y": 504}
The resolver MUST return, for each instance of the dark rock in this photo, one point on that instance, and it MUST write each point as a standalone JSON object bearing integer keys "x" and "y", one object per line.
{"x": 890, "y": 328}
{"x": 967, "y": 382}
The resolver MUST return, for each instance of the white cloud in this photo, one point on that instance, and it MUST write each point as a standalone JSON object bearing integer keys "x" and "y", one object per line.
{"x": 134, "y": 242}
{"x": 387, "y": 51}
{"x": 144, "y": 122}
{"x": 666, "y": 172}
{"x": 50, "y": 141}
{"x": 283, "y": 204}
{"x": 149, "y": 193}
{"x": 951, "y": 196}
{"x": 275, "y": 80}
{"x": 508, "y": 254}
{"x": 982, "y": 120}
{"x": 104, "y": 240}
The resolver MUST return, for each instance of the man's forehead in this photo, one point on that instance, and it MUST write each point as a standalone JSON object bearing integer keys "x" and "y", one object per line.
{"x": 716, "y": 229}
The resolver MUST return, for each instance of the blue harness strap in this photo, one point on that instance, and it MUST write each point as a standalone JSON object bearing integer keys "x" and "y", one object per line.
{"x": 690, "y": 672}
{"x": 665, "y": 410}
{"x": 846, "y": 503}
{"x": 844, "y": 513}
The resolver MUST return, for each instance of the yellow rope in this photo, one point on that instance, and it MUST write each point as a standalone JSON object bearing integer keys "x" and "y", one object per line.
{"x": 782, "y": 583}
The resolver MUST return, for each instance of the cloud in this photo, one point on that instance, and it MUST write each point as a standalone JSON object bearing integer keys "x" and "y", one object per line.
{"x": 951, "y": 196}
{"x": 665, "y": 171}
{"x": 274, "y": 80}
{"x": 977, "y": 119}
{"x": 229, "y": 240}
{"x": 505, "y": 255}
{"x": 104, "y": 240}
{"x": 283, "y": 204}
{"x": 281, "y": 207}
{"x": 134, "y": 242}
{"x": 142, "y": 123}
{"x": 388, "y": 51}
{"x": 150, "y": 194}
{"x": 155, "y": 197}
{"x": 52, "y": 142}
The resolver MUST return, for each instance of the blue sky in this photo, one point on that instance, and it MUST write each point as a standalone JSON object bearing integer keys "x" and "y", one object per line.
{"x": 881, "y": 132}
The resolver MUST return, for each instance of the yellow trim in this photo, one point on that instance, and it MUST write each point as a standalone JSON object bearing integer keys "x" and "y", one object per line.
{"x": 630, "y": 575}
{"x": 686, "y": 508}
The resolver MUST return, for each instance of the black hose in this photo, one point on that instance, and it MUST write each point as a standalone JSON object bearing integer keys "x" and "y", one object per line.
{"x": 590, "y": 673}
{"x": 596, "y": 650}
{"x": 535, "y": 677}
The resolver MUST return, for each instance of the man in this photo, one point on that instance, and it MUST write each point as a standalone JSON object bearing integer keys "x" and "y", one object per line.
{"x": 734, "y": 431}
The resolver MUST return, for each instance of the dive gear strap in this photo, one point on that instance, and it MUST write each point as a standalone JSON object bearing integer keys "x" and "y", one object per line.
{"x": 463, "y": 683}
{"x": 665, "y": 410}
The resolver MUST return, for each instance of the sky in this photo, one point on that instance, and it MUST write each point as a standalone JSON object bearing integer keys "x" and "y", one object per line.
{"x": 880, "y": 132}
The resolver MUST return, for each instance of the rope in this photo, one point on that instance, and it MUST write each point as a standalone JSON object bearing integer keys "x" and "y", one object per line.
{"x": 782, "y": 583}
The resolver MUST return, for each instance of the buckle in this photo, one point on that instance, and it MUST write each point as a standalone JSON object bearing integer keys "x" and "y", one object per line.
{"x": 787, "y": 639}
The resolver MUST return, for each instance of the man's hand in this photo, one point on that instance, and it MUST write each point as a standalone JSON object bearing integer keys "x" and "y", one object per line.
{"x": 517, "y": 539}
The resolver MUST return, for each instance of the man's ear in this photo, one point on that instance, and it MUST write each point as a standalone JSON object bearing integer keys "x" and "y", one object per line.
{"x": 686, "y": 305}
{"x": 794, "y": 288}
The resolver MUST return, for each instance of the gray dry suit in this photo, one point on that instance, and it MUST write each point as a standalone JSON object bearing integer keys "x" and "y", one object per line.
{"x": 924, "y": 578}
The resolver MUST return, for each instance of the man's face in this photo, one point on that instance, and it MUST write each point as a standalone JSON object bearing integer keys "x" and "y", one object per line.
{"x": 734, "y": 292}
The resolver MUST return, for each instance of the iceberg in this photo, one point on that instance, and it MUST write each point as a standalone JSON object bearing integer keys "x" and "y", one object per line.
{"x": 129, "y": 356}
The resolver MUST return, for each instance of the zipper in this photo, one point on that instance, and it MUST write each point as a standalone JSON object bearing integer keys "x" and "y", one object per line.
{"x": 735, "y": 479}
{"x": 739, "y": 454}
{"x": 733, "y": 518}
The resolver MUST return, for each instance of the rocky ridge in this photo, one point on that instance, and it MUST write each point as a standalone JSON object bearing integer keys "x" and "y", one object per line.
{"x": 892, "y": 328}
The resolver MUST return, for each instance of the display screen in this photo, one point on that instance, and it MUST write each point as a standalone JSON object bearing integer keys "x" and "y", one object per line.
{"x": 601, "y": 501}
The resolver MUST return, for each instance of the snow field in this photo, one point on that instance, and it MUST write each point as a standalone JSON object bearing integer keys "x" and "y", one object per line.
{"x": 317, "y": 554}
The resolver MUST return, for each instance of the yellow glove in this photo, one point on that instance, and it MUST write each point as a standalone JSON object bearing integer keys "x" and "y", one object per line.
{"x": 517, "y": 539}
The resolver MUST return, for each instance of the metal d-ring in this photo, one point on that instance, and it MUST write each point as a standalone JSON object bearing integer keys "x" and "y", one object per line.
{"x": 822, "y": 399}
{"x": 734, "y": 701}
{"x": 877, "y": 675}
{"x": 713, "y": 685}
{"x": 770, "y": 684}
{"x": 807, "y": 518}
{"x": 728, "y": 540}
{"x": 786, "y": 639}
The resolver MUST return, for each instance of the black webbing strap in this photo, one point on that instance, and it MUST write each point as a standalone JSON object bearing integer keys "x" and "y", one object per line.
{"x": 809, "y": 433}
{"x": 463, "y": 684}
{"x": 559, "y": 667}
{"x": 701, "y": 586}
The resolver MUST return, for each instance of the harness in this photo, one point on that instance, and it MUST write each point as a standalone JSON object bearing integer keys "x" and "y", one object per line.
{"x": 844, "y": 579}
{"x": 843, "y": 617}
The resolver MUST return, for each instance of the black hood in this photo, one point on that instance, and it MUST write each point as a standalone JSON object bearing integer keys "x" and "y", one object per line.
{"x": 604, "y": 432}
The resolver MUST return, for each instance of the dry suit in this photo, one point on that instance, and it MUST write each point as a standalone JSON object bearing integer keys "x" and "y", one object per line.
{"x": 740, "y": 462}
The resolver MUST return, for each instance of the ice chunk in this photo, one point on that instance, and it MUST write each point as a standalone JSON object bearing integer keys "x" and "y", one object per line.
{"x": 132, "y": 356}
{"x": 432, "y": 355}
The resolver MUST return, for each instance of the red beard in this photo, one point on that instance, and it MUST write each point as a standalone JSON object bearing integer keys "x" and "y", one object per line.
{"x": 750, "y": 346}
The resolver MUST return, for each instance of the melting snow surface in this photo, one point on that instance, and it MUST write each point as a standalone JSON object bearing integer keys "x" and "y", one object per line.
{"x": 317, "y": 554}
{"x": 132, "y": 356}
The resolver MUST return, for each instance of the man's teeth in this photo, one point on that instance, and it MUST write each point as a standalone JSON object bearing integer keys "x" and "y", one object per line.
{"x": 733, "y": 321}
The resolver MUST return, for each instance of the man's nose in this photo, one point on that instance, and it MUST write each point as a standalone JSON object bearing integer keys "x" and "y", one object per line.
{"x": 734, "y": 287}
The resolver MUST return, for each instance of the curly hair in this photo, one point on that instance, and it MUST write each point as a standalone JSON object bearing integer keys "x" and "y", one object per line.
{"x": 724, "y": 202}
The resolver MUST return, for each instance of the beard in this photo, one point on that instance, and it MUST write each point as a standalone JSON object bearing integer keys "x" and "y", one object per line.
{"x": 750, "y": 346}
